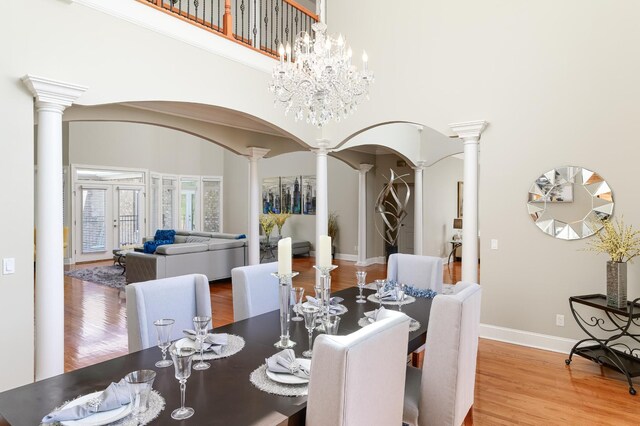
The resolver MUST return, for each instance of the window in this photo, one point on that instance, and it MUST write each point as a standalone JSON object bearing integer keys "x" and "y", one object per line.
{"x": 212, "y": 204}
{"x": 189, "y": 205}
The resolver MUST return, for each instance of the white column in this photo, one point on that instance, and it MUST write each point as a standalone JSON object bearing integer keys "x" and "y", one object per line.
{"x": 255, "y": 202}
{"x": 470, "y": 133}
{"x": 417, "y": 209}
{"x": 362, "y": 214}
{"x": 322, "y": 207}
{"x": 52, "y": 97}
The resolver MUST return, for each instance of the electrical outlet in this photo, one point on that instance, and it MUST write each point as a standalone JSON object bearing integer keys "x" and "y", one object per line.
{"x": 8, "y": 266}
{"x": 560, "y": 320}
{"x": 494, "y": 244}
{"x": 355, "y": 248}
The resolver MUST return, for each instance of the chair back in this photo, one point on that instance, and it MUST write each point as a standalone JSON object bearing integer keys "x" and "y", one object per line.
{"x": 255, "y": 290}
{"x": 449, "y": 369}
{"x": 358, "y": 379}
{"x": 180, "y": 298}
{"x": 418, "y": 271}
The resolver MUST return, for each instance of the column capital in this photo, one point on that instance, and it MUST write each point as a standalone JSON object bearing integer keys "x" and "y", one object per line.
{"x": 419, "y": 166}
{"x": 469, "y": 131}
{"x": 256, "y": 153}
{"x": 322, "y": 147}
{"x": 364, "y": 168}
{"x": 47, "y": 91}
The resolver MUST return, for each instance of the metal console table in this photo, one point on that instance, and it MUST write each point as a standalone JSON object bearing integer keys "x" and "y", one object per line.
{"x": 620, "y": 348}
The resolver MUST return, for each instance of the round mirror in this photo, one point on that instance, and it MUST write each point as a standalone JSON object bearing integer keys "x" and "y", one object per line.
{"x": 569, "y": 203}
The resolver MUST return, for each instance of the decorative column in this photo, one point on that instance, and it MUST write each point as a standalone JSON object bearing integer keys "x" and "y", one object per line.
{"x": 52, "y": 97}
{"x": 417, "y": 209}
{"x": 470, "y": 133}
{"x": 322, "y": 208}
{"x": 254, "y": 155}
{"x": 362, "y": 214}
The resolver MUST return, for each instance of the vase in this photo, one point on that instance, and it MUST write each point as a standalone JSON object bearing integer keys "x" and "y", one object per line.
{"x": 617, "y": 284}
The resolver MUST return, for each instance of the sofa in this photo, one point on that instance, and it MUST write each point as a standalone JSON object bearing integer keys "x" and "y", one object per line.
{"x": 298, "y": 248}
{"x": 213, "y": 254}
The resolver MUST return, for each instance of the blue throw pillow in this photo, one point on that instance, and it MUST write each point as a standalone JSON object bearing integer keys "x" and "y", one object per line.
{"x": 151, "y": 246}
{"x": 241, "y": 236}
{"x": 165, "y": 235}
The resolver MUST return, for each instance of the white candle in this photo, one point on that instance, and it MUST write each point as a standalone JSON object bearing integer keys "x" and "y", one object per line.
{"x": 284, "y": 256}
{"x": 324, "y": 250}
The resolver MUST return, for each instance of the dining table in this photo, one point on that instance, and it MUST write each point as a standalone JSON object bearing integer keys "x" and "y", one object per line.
{"x": 221, "y": 395}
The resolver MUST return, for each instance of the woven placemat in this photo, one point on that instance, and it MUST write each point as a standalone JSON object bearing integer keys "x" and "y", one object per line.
{"x": 233, "y": 346}
{"x": 407, "y": 300}
{"x": 156, "y": 405}
{"x": 260, "y": 380}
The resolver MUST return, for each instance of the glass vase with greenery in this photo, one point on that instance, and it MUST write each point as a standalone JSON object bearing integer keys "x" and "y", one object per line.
{"x": 267, "y": 223}
{"x": 279, "y": 220}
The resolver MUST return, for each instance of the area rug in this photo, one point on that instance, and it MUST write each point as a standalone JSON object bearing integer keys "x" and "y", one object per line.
{"x": 110, "y": 276}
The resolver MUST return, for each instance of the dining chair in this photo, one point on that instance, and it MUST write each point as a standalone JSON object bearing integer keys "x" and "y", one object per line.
{"x": 180, "y": 298}
{"x": 358, "y": 379}
{"x": 419, "y": 271}
{"x": 255, "y": 290}
{"x": 441, "y": 394}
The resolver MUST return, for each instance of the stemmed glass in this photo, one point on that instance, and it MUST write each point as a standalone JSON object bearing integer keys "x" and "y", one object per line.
{"x": 182, "y": 358}
{"x": 361, "y": 276}
{"x": 309, "y": 313}
{"x": 163, "y": 330}
{"x": 200, "y": 324}
{"x": 297, "y": 293}
{"x": 379, "y": 287}
{"x": 399, "y": 293}
{"x": 331, "y": 324}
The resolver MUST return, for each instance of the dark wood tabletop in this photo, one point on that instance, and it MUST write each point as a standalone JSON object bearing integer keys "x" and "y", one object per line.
{"x": 221, "y": 395}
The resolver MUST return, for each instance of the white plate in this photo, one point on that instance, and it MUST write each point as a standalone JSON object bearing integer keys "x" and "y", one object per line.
{"x": 290, "y": 379}
{"x": 186, "y": 342}
{"x": 97, "y": 419}
{"x": 341, "y": 308}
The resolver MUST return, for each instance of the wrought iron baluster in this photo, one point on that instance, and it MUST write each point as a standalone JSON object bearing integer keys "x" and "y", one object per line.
{"x": 297, "y": 18}
{"x": 255, "y": 23}
{"x": 188, "y": 9}
{"x": 266, "y": 23}
{"x": 242, "y": 22}
{"x": 272, "y": 30}
{"x": 196, "y": 4}
{"x": 236, "y": 17}
{"x": 219, "y": 14}
{"x": 204, "y": 13}
{"x": 285, "y": 16}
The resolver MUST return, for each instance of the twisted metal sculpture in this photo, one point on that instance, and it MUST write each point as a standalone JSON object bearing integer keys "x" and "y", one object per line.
{"x": 391, "y": 208}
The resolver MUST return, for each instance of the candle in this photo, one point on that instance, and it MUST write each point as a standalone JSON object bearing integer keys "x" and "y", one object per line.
{"x": 284, "y": 256}
{"x": 324, "y": 250}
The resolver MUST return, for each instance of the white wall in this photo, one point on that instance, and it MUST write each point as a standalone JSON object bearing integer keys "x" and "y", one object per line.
{"x": 559, "y": 85}
{"x": 141, "y": 146}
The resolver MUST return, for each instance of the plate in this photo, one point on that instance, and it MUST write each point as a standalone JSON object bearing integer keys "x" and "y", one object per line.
{"x": 290, "y": 379}
{"x": 186, "y": 342}
{"x": 97, "y": 419}
{"x": 341, "y": 308}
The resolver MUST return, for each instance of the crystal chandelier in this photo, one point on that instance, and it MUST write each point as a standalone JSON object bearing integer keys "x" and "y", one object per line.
{"x": 317, "y": 81}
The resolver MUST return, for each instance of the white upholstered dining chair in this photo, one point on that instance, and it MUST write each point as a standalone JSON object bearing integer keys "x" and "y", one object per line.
{"x": 441, "y": 394}
{"x": 180, "y": 298}
{"x": 255, "y": 290}
{"x": 358, "y": 379}
{"x": 418, "y": 271}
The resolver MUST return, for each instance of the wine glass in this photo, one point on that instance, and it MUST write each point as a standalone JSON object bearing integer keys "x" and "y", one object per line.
{"x": 380, "y": 284}
{"x": 399, "y": 290}
{"x": 361, "y": 276}
{"x": 200, "y": 324}
{"x": 331, "y": 323}
{"x": 309, "y": 313}
{"x": 297, "y": 293}
{"x": 163, "y": 330}
{"x": 182, "y": 358}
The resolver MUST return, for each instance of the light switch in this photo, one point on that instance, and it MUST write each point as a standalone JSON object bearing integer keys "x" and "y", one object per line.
{"x": 494, "y": 244}
{"x": 8, "y": 266}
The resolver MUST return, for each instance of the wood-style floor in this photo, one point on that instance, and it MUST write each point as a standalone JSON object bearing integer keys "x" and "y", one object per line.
{"x": 514, "y": 384}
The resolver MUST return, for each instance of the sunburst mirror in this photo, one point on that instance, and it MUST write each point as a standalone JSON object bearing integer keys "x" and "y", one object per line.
{"x": 569, "y": 203}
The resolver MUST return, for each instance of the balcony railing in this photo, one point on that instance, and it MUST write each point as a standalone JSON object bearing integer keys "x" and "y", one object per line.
{"x": 258, "y": 24}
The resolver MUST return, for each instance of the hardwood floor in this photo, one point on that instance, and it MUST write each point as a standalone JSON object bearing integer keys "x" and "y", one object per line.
{"x": 514, "y": 384}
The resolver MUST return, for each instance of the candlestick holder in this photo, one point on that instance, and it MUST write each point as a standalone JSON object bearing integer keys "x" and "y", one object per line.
{"x": 285, "y": 299}
{"x": 323, "y": 289}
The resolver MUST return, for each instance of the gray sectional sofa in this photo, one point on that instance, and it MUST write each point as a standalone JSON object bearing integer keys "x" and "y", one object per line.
{"x": 213, "y": 254}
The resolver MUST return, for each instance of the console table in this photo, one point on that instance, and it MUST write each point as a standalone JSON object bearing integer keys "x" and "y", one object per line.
{"x": 618, "y": 347}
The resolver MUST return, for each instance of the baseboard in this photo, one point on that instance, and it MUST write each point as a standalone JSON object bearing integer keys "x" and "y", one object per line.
{"x": 527, "y": 338}
{"x": 380, "y": 260}
{"x": 349, "y": 257}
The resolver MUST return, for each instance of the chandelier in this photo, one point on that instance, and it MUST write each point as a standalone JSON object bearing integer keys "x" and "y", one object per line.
{"x": 317, "y": 81}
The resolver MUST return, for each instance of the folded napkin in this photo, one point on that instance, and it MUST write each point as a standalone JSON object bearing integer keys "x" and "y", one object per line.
{"x": 373, "y": 316}
{"x": 214, "y": 342}
{"x": 285, "y": 362}
{"x": 334, "y": 304}
{"x": 116, "y": 395}
{"x": 389, "y": 295}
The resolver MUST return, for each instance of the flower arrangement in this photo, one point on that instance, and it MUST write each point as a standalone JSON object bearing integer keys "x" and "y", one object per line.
{"x": 267, "y": 223}
{"x": 279, "y": 220}
{"x": 620, "y": 242}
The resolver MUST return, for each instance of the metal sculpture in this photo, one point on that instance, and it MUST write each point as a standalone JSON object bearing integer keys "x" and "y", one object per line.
{"x": 392, "y": 210}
